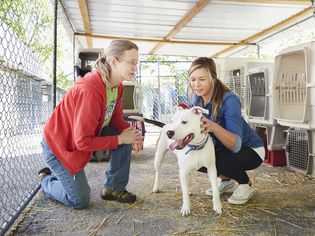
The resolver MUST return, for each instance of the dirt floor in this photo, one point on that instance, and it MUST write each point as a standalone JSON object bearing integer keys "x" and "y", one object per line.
{"x": 283, "y": 204}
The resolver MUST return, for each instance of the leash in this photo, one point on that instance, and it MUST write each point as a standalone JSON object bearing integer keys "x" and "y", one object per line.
{"x": 197, "y": 147}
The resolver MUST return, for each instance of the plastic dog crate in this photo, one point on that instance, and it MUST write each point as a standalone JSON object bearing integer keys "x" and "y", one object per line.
{"x": 260, "y": 95}
{"x": 294, "y": 86}
{"x": 234, "y": 71}
{"x": 298, "y": 149}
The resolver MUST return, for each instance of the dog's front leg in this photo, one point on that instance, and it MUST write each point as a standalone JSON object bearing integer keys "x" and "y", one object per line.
{"x": 161, "y": 150}
{"x": 216, "y": 201}
{"x": 157, "y": 166}
{"x": 184, "y": 185}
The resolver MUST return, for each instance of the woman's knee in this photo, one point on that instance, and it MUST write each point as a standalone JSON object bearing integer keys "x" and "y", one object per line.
{"x": 81, "y": 201}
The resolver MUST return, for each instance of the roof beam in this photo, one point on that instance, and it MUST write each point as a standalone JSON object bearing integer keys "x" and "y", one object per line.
{"x": 201, "y": 4}
{"x": 269, "y": 30}
{"x": 162, "y": 41}
{"x": 299, "y": 2}
{"x": 84, "y": 10}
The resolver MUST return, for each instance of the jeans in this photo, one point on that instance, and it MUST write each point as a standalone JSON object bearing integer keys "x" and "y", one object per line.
{"x": 74, "y": 191}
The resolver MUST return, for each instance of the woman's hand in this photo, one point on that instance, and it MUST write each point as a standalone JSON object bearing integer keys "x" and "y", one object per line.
{"x": 130, "y": 135}
{"x": 227, "y": 138}
{"x": 206, "y": 125}
{"x": 137, "y": 147}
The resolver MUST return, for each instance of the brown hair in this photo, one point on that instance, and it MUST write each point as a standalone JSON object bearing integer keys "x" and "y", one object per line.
{"x": 115, "y": 49}
{"x": 217, "y": 86}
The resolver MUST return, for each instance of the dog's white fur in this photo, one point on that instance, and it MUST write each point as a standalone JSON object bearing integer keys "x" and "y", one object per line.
{"x": 188, "y": 122}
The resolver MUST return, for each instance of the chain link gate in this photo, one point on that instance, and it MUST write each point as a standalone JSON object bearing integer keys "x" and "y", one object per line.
{"x": 26, "y": 100}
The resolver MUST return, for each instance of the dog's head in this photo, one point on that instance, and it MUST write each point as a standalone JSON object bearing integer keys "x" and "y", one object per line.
{"x": 185, "y": 128}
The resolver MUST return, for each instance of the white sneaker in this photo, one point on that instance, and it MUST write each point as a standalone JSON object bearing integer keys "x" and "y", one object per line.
{"x": 241, "y": 194}
{"x": 224, "y": 186}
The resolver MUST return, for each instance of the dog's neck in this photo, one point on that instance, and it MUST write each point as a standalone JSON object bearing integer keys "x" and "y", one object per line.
{"x": 198, "y": 146}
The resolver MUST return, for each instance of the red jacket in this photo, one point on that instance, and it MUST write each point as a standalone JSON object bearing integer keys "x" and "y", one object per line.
{"x": 72, "y": 130}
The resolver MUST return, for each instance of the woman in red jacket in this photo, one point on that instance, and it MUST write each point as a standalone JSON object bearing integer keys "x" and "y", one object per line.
{"x": 72, "y": 132}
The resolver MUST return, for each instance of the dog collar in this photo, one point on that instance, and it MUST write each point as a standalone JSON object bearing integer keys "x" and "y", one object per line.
{"x": 196, "y": 147}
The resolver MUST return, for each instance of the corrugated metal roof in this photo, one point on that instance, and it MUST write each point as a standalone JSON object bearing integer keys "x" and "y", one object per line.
{"x": 183, "y": 27}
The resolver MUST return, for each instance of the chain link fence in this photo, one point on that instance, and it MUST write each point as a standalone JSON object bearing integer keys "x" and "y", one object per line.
{"x": 164, "y": 85}
{"x": 26, "y": 100}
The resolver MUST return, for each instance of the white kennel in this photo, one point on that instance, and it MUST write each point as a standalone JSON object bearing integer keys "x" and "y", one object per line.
{"x": 234, "y": 71}
{"x": 260, "y": 95}
{"x": 294, "y": 86}
{"x": 294, "y": 102}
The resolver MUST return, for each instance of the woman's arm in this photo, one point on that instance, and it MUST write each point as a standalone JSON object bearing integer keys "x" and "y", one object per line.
{"x": 232, "y": 133}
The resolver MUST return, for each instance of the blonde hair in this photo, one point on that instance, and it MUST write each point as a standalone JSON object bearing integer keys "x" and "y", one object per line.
{"x": 217, "y": 86}
{"x": 115, "y": 49}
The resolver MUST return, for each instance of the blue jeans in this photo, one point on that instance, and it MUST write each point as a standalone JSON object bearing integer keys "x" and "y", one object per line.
{"x": 74, "y": 191}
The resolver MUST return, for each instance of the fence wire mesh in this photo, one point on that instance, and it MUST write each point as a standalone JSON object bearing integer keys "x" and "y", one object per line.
{"x": 164, "y": 85}
{"x": 26, "y": 100}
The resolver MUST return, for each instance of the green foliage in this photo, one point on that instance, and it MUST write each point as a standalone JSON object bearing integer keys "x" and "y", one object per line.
{"x": 31, "y": 21}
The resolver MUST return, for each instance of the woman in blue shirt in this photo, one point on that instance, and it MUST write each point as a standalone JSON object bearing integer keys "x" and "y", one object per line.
{"x": 238, "y": 147}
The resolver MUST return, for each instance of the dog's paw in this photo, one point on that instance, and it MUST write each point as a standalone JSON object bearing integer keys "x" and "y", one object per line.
{"x": 185, "y": 211}
{"x": 217, "y": 207}
{"x": 155, "y": 189}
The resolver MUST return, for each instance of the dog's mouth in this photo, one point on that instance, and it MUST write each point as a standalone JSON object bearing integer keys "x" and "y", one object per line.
{"x": 180, "y": 144}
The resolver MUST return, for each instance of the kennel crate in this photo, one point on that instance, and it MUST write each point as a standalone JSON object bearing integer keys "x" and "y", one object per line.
{"x": 234, "y": 71}
{"x": 299, "y": 149}
{"x": 294, "y": 103}
{"x": 260, "y": 95}
{"x": 294, "y": 86}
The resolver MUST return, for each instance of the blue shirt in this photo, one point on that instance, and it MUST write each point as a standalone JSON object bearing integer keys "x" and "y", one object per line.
{"x": 230, "y": 118}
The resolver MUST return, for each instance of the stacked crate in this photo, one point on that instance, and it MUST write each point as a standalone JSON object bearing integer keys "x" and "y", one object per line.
{"x": 294, "y": 103}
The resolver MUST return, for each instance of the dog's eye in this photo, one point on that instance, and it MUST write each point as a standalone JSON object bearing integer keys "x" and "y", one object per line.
{"x": 184, "y": 122}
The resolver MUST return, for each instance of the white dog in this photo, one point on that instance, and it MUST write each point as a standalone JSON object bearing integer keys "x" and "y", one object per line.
{"x": 193, "y": 150}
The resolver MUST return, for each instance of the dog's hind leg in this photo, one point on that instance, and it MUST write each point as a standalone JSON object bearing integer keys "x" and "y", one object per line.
{"x": 161, "y": 150}
{"x": 216, "y": 201}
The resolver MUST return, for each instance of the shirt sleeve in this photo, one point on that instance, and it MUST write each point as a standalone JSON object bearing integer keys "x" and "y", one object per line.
{"x": 231, "y": 108}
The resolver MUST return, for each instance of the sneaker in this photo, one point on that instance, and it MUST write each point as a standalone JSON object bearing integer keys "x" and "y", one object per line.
{"x": 43, "y": 172}
{"x": 241, "y": 194}
{"x": 223, "y": 185}
{"x": 123, "y": 196}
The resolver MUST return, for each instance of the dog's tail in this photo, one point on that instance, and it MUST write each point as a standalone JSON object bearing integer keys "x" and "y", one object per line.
{"x": 153, "y": 122}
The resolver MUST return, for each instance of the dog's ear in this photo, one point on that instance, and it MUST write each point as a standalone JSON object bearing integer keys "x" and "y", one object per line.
{"x": 199, "y": 110}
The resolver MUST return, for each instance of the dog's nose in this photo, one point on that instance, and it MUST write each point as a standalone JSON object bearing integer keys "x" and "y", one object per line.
{"x": 170, "y": 133}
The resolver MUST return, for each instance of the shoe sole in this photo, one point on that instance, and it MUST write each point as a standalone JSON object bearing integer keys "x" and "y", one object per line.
{"x": 112, "y": 198}
{"x": 240, "y": 202}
